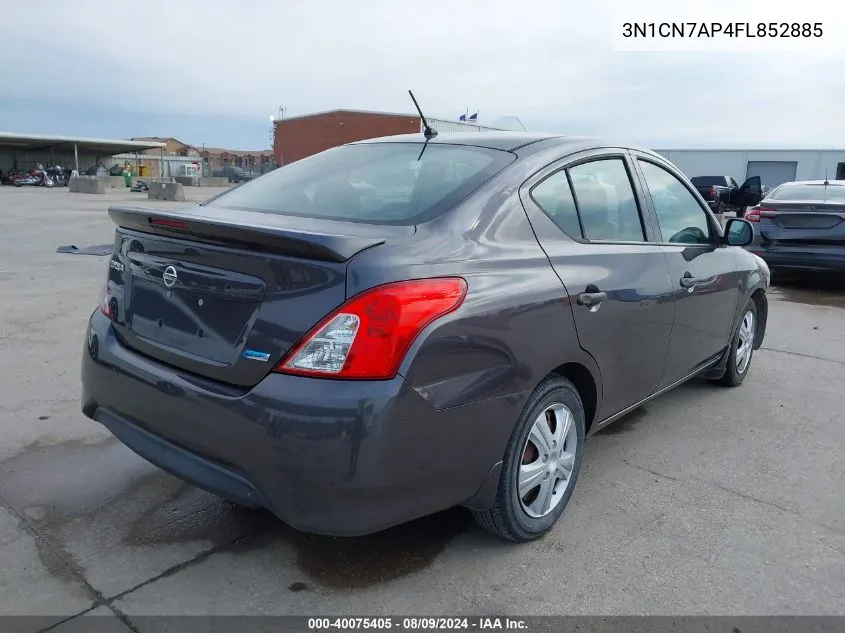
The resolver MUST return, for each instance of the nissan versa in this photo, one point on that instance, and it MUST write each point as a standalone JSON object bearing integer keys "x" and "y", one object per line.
{"x": 397, "y": 326}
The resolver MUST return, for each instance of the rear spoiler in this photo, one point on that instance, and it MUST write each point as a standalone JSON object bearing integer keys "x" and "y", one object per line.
{"x": 246, "y": 233}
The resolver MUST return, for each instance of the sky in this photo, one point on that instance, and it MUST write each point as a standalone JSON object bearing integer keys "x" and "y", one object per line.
{"x": 213, "y": 72}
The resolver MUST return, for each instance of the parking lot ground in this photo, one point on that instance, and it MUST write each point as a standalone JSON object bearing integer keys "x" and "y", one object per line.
{"x": 705, "y": 501}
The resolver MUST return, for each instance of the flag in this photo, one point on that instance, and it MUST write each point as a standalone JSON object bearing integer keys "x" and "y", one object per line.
{"x": 463, "y": 117}
{"x": 473, "y": 117}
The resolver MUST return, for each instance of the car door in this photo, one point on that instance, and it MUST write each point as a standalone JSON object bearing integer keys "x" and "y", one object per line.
{"x": 586, "y": 213}
{"x": 746, "y": 195}
{"x": 703, "y": 271}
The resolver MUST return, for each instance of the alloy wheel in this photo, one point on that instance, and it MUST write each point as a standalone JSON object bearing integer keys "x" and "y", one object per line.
{"x": 745, "y": 342}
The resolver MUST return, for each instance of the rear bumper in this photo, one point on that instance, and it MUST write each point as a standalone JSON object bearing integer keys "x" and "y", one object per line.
{"x": 342, "y": 458}
{"x": 802, "y": 259}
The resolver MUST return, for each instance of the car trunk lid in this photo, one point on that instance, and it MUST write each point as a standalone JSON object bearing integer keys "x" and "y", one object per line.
{"x": 797, "y": 223}
{"x": 224, "y": 293}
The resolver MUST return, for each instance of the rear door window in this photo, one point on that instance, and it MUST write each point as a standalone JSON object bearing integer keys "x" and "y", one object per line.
{"x": 606, "y": 202}
{"x": 377, "y": 183}
{"x": 554, "y": 196}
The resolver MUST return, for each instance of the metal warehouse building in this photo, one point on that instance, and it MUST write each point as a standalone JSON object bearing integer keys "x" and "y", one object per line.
{"x": 24, "y": 151}
{"x": 301, "y": 136}
{"x": 774, "y": 166}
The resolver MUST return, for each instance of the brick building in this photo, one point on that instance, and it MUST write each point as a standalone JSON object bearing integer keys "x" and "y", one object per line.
{"x": 301, "y": 136}
{"x": 212, "y": 157}
{"x": 248, "y": 160}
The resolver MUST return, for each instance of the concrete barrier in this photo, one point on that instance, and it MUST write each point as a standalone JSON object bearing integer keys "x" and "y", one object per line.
{"x": 117, "y": 182}
{"x": 213, "y": 181}
{"x": 87, "y": 184}
{"x": 173, "y": 191}
{"x": 187, "y": 181}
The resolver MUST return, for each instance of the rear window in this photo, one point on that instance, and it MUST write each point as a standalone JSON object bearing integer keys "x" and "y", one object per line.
{"x": 709, "y": 181}
{"x": 819, "y": 193}
{"x": 377, "y": 183}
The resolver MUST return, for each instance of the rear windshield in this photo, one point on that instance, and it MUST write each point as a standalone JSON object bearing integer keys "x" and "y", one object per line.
{"x": 377, "y": 183}
{"x": 819, "y": 193}
{"x": 709, "y": 181}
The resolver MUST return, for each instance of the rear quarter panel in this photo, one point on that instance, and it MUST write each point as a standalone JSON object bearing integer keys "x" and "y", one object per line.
{"x": 479, "y": 364}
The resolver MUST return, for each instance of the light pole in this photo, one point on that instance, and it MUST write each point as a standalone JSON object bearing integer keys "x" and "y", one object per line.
{"x": 273, "y": 121}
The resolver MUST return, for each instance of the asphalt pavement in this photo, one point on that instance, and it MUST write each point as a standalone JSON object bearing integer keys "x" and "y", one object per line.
{"x": 705, "y": 501}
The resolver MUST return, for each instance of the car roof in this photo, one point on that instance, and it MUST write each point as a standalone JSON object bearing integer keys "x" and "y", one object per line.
{"x": 832, "y": 183}
{"x": 508, "y": 141}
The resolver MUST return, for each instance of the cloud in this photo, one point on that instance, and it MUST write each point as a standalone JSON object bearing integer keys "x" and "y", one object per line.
{"x": 549, "y": 62}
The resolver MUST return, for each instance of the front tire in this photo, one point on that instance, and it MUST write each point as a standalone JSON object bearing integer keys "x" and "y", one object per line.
{"x": 541, "y": 464}
{"x": 742, "y": 348}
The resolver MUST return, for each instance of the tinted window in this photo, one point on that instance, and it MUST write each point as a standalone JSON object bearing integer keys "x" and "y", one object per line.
{"x": 554, "y": 196}
{"x": 681, "y": 218}
{"x": 381, "y": 183}
{"x": 606, "y": 201}
{"x": 709, "y": 181}
{"x": 831, "y": 193}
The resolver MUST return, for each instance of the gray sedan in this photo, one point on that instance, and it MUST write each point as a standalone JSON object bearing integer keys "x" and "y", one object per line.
{"x": 801, "y": 226}
{"x": 397, "y": 326}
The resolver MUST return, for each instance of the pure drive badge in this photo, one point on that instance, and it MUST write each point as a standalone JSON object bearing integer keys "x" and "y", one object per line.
{"x": 251, "y": 354}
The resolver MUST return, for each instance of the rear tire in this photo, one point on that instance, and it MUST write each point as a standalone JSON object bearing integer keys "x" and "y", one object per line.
{"x": 742, "y": 348}
{"x": 542, "y": 461}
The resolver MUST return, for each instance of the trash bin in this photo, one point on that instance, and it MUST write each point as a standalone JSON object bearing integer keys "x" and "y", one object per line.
{"x": 127, "y": 178}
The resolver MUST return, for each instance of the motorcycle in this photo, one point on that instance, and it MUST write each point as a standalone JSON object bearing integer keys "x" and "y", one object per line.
{"x": 57, "y": 175}
{"x": 13, "y": 175}
{"x": 35, "y": 178}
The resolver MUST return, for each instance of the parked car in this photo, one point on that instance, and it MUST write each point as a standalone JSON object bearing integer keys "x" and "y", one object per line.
{"x": 353, "y": 357}
{"x": 723, "y": 195}
{"x": 233, "y": 173}
{"x": 801, "y": 226}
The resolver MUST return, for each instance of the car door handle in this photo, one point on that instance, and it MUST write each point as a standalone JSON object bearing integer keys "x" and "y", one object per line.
{"x": 591, "y": 299}
{"x": 689, "y": 282}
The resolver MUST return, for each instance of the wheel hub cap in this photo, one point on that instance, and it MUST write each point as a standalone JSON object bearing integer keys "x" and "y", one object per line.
{"x": 745, "y": 341}
{"x": 548, "y": 458}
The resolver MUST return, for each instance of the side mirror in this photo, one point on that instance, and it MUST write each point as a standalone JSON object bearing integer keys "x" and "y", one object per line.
{"x": 738, "y": 232}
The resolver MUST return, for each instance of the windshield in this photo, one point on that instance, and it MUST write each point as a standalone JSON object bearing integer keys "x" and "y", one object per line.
{"x": 379, "y": 183}
{"x": 831, "y": 193}
{"x": 709, "y": 181}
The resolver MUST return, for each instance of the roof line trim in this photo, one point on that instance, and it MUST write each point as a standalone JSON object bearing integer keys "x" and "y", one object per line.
{"x": 46, "y": 138}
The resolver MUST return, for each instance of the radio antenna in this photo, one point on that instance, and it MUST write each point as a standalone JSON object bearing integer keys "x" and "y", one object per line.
{"x": 430, "y": 132}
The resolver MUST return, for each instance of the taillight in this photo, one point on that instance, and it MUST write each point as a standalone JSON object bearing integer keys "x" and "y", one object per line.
{"x": 755, "y": 213}
{"x": 103, "y": 302}
{"x": 368, "y": 336}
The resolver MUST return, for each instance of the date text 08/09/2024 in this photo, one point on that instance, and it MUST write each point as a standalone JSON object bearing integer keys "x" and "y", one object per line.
{"x": 419, "y": 624}
{"x": 723, "y": 29}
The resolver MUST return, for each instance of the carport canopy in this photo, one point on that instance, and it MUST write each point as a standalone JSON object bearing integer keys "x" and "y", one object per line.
{"x": 42, "y": 142}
